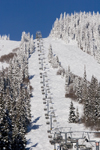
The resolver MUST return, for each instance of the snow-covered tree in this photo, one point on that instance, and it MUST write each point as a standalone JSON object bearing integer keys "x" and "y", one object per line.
{"x": 77, "y": 116}
{"x": 72, "y": 116}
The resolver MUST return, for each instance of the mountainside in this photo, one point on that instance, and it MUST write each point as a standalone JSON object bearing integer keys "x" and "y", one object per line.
{"x": 69, "y": 55}
{"x": 7, "y": 47}
{"x": 82, "y": 27}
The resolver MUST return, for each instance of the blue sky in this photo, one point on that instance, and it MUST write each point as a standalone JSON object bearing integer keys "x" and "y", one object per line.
{"x": 17, "y": 16}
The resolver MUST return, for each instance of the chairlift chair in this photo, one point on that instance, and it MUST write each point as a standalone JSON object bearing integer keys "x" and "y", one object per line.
{"x": 52, "y": 142}
{"x": 55, "y": 120}
{"x": 46, "y": 117}
{"x": 67, "y": 146}
{"x": 44, "y": 102}
{"x": 43, "y": 93}
{"x": 82, "y": 146}
{"x": 47, "y": 122}
{"x": 51, "y": 107}
{"x": 49, "y": 136}
{"x": 45, "y": 109}
{"x": 42, "y": 90}
{"x": 46, "y": 114}
{"x": 88, "y": 148}
{"x": 48, "y": 131}
{"x": 40, "y": 76}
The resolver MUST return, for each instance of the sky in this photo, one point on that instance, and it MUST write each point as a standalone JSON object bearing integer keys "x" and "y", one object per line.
{"x": 31, "y": 16}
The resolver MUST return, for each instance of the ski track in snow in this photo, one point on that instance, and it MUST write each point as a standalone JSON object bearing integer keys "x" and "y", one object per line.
{"x": 37, "y": 137}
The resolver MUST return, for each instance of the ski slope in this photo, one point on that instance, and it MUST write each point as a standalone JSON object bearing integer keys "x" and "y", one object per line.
{"x": 68, "y": 54}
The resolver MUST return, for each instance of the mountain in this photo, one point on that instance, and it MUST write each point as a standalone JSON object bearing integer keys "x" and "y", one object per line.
{"x": 68, "y": 54}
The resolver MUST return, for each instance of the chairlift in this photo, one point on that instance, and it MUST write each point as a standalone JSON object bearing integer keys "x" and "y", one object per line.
{"x": 52, "y": 113}
{"x": 48, "y": 131}
{"x": 58, "y": 139}
{"x": 52, "y": 142}
{"x": 55, "y": 120}
{"x": 67, "y": 146}
{"x": 41, "y": 82}
{"x": 46, "y": 117}
{"x": 43, "y": 93}
{"x": 40, "y": 76}
{"x": 49, "y": 136}
{"x": 47, "y": 122}
{"x": 44, "y": 99}
{"x": 73, "y": 140}
{"x": 51, "y": 107}
{"x": 44, "y": 102}
{"x": 83, "y": 146}
{"x": 46, "y": 114}
{"x": 45, "y": 109}
{"x": 87, "y": 148}
{"x": 40, "y": 73}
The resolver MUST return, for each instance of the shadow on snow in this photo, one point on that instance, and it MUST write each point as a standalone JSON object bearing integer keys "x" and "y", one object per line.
{"x": 31, "y": 76}
{"x": 36, "y": 119}
{"x": 33, "y": 127}
{"x": 32, "y": 146}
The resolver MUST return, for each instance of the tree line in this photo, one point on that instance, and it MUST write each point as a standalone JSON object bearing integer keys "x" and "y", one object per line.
{"x": 82, "y": 27}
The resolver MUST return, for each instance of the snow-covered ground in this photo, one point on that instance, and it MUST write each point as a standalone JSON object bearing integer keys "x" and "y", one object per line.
{"x": 37, "y": 136}
{"x": 6, "y": 47}
{"x": 69, "y": 54}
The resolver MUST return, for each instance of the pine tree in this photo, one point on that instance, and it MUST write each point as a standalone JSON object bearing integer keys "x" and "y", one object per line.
{"x": 50, "y": 54}
{"x": 77, "y": 115}
{"x": 72, "y": 116}
{"x": 79, "y": 92}
{"x": 84, "y": 87}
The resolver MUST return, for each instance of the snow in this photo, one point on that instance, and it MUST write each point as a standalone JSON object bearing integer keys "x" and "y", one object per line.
{"x": 68, "y": 54}
{"x": 6, "y": 47}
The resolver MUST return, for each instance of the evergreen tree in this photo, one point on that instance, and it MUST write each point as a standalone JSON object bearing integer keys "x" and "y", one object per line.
{"x": 72, "y": 116}
{"x": 77, "y": 115}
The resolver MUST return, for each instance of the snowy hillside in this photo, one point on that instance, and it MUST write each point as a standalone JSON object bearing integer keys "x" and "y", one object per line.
{"x": 68, "y": 54}
{"x": 6, "y": 47}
